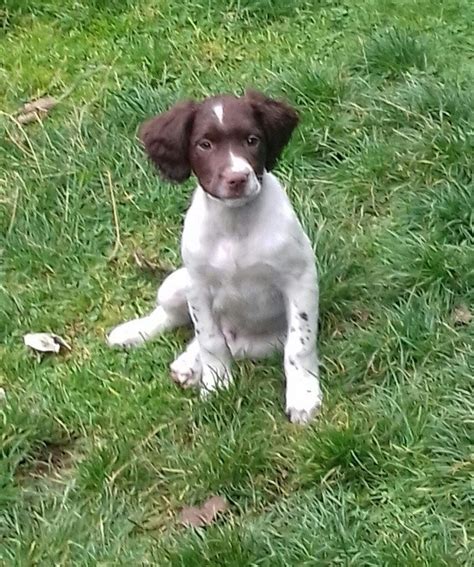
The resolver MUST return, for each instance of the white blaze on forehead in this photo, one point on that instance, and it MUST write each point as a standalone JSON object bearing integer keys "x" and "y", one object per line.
{"x": 219, "y": 112}
{"x": 239, "y": 164}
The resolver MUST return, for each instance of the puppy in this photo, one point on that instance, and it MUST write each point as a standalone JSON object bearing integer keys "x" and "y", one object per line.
{"x": 248, "y": 282}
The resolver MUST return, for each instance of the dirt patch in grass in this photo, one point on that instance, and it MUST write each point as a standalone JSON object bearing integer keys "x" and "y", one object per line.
{"x": 47, "y": 459}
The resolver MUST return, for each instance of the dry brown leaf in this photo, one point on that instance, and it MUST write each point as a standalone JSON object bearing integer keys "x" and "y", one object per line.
{"x": 200, "y": 516}
{"x": 43, "y": 104}
{"x": 34, "y": 110}
{"x": 28, "y": 117}
{"x": 462, "y": 315}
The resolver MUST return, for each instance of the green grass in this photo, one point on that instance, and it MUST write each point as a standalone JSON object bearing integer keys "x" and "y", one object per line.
{"x": 99, "y": 449}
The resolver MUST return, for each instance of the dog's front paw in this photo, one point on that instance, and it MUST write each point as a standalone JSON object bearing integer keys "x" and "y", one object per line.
{"x": 186, "y": 370}
{"x": 130, "y": 334}
{"x": 303, "y": 401}
{"x": 214, "y": 377}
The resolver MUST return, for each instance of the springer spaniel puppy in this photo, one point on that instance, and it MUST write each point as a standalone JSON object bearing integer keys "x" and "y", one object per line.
{"x": 249, "y": 282}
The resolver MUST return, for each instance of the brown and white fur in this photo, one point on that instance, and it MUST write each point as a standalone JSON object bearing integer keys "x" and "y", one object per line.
{"x": 249, "y": 281}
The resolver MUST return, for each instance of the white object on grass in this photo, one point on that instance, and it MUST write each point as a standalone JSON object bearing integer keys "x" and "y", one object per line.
{"x": 45, "y": 342}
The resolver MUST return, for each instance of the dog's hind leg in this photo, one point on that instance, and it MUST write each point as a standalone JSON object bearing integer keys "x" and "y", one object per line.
{"x": 171, "y": 311}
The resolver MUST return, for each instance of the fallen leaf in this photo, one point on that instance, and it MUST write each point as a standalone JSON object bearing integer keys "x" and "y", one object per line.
{"x": 198, "y": 517}
{"x": 42, "y": 104}
{"x": 45, "y": 342}
{"x": 28, "y": 117}
{"x": 36, "y": 109}
{"x": 462, "y": 315}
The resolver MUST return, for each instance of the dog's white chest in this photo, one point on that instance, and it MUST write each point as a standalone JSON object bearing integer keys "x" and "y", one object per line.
{"x": 226, "y": 256}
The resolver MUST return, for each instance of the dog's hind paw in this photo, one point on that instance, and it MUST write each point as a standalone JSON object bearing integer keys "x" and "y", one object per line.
{"x": 130, "y": 334}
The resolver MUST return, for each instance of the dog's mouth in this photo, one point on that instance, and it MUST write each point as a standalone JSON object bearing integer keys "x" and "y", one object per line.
{"x": 237, "y": 201}
{"x": 233, "y": 199}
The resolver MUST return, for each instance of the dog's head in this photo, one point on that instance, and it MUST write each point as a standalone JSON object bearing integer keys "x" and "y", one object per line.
{"x": 226, "y": 141}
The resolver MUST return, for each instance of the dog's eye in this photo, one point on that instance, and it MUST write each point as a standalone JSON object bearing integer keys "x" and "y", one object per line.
{"x": 205, "y": 145}
{"x": 252, "y": 140}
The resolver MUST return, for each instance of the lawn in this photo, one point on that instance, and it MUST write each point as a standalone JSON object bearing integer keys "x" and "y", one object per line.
{"x": 100, "y": 450}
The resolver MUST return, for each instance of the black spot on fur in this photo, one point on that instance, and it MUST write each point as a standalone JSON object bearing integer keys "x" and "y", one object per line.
{"x": 304, "y": 316}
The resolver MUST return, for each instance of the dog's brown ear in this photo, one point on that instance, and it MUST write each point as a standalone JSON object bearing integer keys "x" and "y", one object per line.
{"x": 166, "y": 140}
{"x": 278, "y": 120}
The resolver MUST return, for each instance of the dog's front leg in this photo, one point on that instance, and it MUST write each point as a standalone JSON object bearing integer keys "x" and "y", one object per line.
{"x": 303, "y": 393}
{"x": 215, "y": 354}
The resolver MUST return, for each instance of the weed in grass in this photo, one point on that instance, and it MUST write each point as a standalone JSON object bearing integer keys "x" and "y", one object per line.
{"x": 395, "y": 51}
